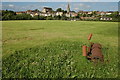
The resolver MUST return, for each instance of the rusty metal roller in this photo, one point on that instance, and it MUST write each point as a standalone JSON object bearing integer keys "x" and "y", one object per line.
{"x": 84, "y": 50}
{"x": 97, "y": 46}
{"x": 89, "y": 37}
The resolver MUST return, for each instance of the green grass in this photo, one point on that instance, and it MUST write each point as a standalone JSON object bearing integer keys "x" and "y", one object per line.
{"x": 52, "y": 49}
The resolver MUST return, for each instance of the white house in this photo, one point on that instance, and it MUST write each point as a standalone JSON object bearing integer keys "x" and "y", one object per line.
{"x": 46, "y": 10}
{"x": 45, "y": 14}
{"x": 73, "y": 14}
{"x": 90, "y": 12}
{"x": 59, "y": 13}
{"x": 102, "y": 13}
{"x": 105, "y": 18}
{"x": 108, "y": 13}
{"x": 68, "y": 15}
{"x": 32, "y": 14}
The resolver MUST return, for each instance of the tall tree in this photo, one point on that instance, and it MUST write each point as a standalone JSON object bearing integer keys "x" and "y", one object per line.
{"x": 36, "y": 10}
{"x": 59, "y": 10}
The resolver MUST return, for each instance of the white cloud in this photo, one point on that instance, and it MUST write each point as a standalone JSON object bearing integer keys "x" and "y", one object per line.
{"x": 10, "y": 5}
{"x": 62, "y": 6}
{"x": 76, "y": 8}
{"x": 81, "y": 5}
{"x": 21, "y": 8}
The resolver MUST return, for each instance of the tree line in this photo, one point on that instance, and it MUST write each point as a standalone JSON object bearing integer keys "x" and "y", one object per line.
{"x": 11, "y": 15}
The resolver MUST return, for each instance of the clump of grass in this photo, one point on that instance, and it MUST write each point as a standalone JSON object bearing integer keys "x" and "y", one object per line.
{"x": 61, "y": 59}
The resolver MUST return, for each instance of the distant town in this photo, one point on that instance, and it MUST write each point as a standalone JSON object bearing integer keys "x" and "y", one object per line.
{"x": 72, "y": 15}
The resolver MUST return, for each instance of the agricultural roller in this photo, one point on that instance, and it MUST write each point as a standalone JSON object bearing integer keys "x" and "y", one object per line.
{"x": 93, "y": 52}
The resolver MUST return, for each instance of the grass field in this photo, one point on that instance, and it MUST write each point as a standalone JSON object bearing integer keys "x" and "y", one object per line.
{"x": 53, "y": 49}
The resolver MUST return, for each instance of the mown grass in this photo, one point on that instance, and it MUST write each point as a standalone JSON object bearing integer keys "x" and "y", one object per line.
{"x": 52, "y": 49}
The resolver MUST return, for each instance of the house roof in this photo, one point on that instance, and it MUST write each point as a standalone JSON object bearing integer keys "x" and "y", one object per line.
{"x": 21, "y": 12}
{"x": 47, "y": 8}
{"x": 88, "y": 17}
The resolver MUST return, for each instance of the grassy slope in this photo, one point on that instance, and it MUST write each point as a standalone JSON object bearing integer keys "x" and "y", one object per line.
{"x": 53, "y": 48}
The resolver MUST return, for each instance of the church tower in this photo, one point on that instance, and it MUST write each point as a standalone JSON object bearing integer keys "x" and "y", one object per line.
{"x": 68, "y": 8}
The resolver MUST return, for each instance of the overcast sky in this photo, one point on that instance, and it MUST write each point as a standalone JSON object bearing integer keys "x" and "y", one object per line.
{"x": 74, "y": 6}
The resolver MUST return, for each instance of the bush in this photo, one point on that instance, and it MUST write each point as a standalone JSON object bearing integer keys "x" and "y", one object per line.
{"x": 23, "y": 17}
{"x": 36, "y": 18}
{"x": 8, "y": 15}
{"x": 63, "y": 18}
{"x": 49, "y": 18}
{"x": 42, "y": 18}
